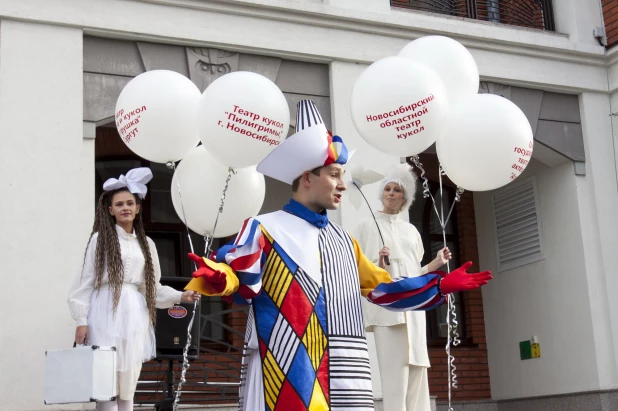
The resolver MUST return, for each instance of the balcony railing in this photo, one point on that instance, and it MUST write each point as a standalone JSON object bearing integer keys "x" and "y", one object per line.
{"x": 536, "y": 14}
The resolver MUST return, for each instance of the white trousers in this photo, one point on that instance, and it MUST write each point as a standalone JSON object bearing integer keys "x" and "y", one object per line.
{"x": 404, "y": 386}
{"x": 127, "y": 382}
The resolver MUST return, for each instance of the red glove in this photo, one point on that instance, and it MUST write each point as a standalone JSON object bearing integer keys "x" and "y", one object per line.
{"x": 217, "y": 279}
{"x": 460, "y": 280}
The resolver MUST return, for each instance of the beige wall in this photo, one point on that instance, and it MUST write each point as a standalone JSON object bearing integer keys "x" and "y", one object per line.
{"x": 547, "y": 299}
{"x": 44, "y": 224}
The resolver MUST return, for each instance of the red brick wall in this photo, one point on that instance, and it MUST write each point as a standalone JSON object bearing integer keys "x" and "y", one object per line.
{"x": 610, "y": 15}
{"x": 471, "y": 355}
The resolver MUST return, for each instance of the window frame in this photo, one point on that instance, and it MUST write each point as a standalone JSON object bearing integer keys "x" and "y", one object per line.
{"x": 119, "y": 152}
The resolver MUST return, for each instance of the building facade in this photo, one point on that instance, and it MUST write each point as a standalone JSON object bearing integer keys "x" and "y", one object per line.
{"x": 63, "y": 64}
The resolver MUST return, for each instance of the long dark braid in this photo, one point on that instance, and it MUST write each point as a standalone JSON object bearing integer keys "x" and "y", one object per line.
{"x": 149, "y": 277}
{"x": 108, "y": 255}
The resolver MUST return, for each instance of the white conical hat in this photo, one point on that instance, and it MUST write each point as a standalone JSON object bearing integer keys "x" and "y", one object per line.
{"x": 312, "y": 146}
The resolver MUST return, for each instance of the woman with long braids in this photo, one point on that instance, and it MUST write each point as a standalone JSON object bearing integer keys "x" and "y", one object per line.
{"x": 116, "y": 293}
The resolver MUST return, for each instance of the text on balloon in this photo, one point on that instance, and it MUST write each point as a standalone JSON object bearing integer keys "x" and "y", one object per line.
{"x": 251, "y": 134}
{"x": 255, "y": 117}
{"x": 401, "y": 109}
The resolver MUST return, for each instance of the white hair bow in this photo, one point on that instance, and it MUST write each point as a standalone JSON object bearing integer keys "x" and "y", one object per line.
{"x": 135, "y": 181}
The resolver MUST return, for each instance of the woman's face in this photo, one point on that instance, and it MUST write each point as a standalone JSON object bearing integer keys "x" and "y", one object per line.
{"x": 124, "y": 207}
{"x": 393, "y": 197}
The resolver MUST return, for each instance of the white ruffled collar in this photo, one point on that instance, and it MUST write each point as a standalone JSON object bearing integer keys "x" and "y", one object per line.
{"x": 123, "y": 234}
{"x": 384, "y": 216}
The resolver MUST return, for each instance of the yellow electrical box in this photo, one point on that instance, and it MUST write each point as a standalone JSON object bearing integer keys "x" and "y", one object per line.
{"x": 536, "y": 350}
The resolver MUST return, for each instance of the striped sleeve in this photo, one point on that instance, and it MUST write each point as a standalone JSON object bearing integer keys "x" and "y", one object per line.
{"x": 246, "y": 256}
{"x": 402, "y": 294}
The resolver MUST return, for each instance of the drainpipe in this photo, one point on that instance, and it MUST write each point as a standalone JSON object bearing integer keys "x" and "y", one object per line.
{"x": 493, "y": 11}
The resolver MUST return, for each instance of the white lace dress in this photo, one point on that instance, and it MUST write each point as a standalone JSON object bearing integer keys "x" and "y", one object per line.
{"x": 129, "y": 329}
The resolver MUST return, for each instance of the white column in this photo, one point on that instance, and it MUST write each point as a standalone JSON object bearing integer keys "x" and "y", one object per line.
{"x": 87, "y": 174}
{"x": 598, "y": 206}
{"x": 578, "y": 18}
{"x": 41, "y": 207}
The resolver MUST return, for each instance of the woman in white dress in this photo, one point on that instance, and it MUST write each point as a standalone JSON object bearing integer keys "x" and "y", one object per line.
{"x": 116, "y": 293}
{"x": 400, "y": 338}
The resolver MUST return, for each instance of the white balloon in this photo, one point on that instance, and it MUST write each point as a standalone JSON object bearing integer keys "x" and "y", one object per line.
{"x": 450, "y": 60}
{"x": 242, "y": 116}
{"x": 155, "y": 115}
{"x": 398, "y": 106}
{"x": 202, "y": 180}
{"x": 487, "y": 142}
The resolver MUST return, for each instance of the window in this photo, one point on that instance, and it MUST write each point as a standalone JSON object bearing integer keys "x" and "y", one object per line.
{"x": 536, "y": 14}
{"x": 424, "y": 218}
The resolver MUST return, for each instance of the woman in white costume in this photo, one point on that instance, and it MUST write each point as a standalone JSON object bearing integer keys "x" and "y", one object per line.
{"x": 116, "y": 293}
{"x": 400, "y": 337}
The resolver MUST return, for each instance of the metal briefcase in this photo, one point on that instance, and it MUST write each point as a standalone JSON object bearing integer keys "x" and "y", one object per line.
{"x": 80, "y": 374}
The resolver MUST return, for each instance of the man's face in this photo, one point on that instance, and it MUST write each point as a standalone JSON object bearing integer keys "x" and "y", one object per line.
{"x": 325, "y": 190}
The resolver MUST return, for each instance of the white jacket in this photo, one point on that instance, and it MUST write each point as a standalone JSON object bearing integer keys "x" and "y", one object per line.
{"x": 406, "y": 246}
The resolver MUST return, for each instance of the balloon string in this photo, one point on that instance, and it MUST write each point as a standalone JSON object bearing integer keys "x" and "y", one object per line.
{"x": 426, "y": 191}
{"x": 185, "y": 351}
{"x": 230, "y": 172}
{"x": 172, "y": 166}
{"x": 185, "y": 358}
{"x": 208, "y": 240}
{"x": 451, "y": 312}
{"x": 458, "y": 192}
{"x": 453, "y": 336}
{"x": 417, "y": 163}
{"x": 443, "y": 225}
{"x": 386, "y": 259}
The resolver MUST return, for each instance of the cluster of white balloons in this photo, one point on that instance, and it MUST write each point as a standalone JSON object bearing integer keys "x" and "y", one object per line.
{"x": 162, "y": 116}
{"x": 428, "y": 94}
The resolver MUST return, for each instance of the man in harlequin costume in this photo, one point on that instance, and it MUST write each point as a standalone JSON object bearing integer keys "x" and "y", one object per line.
{"x": 304, "y": 278}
